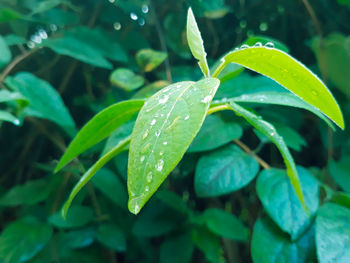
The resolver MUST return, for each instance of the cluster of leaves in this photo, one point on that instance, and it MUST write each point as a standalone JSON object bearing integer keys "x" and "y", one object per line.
{"x": 209, "y": 208}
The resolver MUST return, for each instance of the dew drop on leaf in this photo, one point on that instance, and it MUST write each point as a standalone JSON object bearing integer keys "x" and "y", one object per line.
{"x": 269, "y": 45}
{"x": 145, "y": 134}
{"x": 164, "y": 99}
{"x": 187, "y": 117}
{"x": 149, "y": 177}
{"x": 160, "y": 165}
{"x": 206, "y": 99}
{"x": 153, "y": 122}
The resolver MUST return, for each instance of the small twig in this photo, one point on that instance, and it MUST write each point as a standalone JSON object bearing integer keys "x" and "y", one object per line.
{"x": 67, "y": 76}
{"x": 162, "y": 42}
{"x": 17, "y": 60}
{"x": 245, "y": 148}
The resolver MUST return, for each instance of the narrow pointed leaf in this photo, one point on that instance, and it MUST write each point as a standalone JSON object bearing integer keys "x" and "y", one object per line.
{"x": 195, "y": 43}
{"x": 99, "y": 128}
{"x": 270, "y": 132}
{"x": 289, "y": 73}
{"x": 164, "y": 129}
{"x": 120, "y": 147}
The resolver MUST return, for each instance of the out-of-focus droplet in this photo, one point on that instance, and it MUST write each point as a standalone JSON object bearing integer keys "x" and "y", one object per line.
{"x": 133, "y": 16}
{"x": 243, "y": 24}
{"x": 53, "y": 27}
{"x": 142, "y": 21}
{"x": 117, "y": 26}
{"x": 145, "y": 9}
{"x": 30, "y": 44}
{"x": 42, "y": 33}
{"x": 264, "y": 26}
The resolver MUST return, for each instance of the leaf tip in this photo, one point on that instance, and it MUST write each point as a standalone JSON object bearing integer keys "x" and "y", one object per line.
{"x": 134, "y": 205}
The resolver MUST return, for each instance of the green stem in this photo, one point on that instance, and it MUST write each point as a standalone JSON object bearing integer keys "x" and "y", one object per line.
{"x": 218, "y": 108}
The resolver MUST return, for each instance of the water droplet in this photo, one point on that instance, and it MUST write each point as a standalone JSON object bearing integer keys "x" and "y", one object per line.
{"x": 145, "y": 9}
{"x": 157, "y": 133}
{"x": 178, "y": 86}
{"x": 187, "y": 117}
{"x": 161, "y": 115}
{"x": 146, "y": 148}
{"x": 142, "y": 158}
{"x": 16, "y": 122}
{"x": 222, "y": 60}
{"x": 53, "y": 27}
{"x": 133, "y": 16}
{"x": 269, "y": 45}
{"x": 244, "y": 46}
{"x": 165, "y": 143}
{"x": 145, "y": 134}
{"x": 206, "y": 99}
{"x": 153, "y": 122}
{"x": 117, "y": 26}
{"x": 243, "y": 24}
{"x": 161, "y": 153}
{"x": 36, "y": 39}
{"x": 111, "y": 1}
{"x": 164, "y": 99}
{"x": 146, "y": 189}
{"x": 30, "y": 44}
{"x": 258, "y": 44}
{"x": 42, "y": 33}
{"x": 136, "y": 208}
{"x": 142, "y": 21}
{"x": 264, "y": 26}
{"x": 160, "y": 165}
{"x": 149, "y": 177}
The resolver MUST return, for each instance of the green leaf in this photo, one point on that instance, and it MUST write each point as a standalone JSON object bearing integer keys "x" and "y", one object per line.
{"x": 126, "y": 79}
{"x": 224, "y": 224}
{"x": 214, "y": 133}
{"x": 177, "y": 249}
{"x": 212, "y": 9}
{"x": 281, "y": 203}
{"x": 280, "y": 98}
{"x": 209, "y": 244}
{"x": 270, "y": 132}
{"x": 45, "y": 6}
{"x": 333, "y": 233}
{"x": 111, "y": 236}
{"x": 111, "y": 186}
{"x": 223, "y": 171}
{"x": 78, "y": 216}
{"x": 8, "y": 14}
{"x": 289, "y": 73}
{"x": 164, "y": 129}
{"x": 252, "y": 40}
{"x": 149, "y": 59}
{"x": 5, "y": 53}
{"x": 120, "y": 147}
{"x": 100, "y": 127}
{"x": 195, "y": 43}
{"x": 340, "y": 172}
{"x": 29, "y": 193}
{"x": 23, "y": 239}
{"x": 12, "y": 39}
{"x": 6, "y": 116}
{"x": 118, "y": 135}
{"x": 270, "y": 245}
{"x": 45, "y": 102}
{"x": 6, "y": 95}
{"x": 77, "y": 49}
{"x": 78, "y": 238}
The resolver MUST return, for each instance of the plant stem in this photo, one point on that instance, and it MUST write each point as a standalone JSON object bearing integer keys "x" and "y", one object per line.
{"x": 245, "y": 148}
{"x": 218, "y": 108}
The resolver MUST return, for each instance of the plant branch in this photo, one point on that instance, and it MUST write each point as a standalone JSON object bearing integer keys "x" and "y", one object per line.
{"x": 245, "y": 148}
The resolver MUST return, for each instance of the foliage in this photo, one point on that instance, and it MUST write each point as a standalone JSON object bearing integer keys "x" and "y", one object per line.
{"x": 198, "y": 151}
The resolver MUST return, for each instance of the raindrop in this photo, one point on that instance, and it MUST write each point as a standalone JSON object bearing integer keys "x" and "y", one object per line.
{"x": 53, "y": 27}
{"x": 30, "y": 44}
{"x": 161, "y": 115}
{"x": 36, "y": 39}
{"x": 145, "y": 134}
{"x": 142, "y": 158}
{"x": 149, "y": 177}
{"x": 161, "y": 153}
{"x": 244, "y": 46}
{"x": 142, "y": 21}
{"x": 157, "y": 133}
{"x": 136, "y": 209}
{"x": 264, "y": 26}
{"x": 206, "y": 99}
{"x": 153, "y": 122}
{"x": 117, "y": 26}
{"x": 243, "y": 24}
{"x": 160, "y": 165}
{"x": 258, "y": 44}
{"x": 222, "y": 60}
{"x": 133, "y": 16}
{"x": 187, "y": 117}
{"x": 146, "y": 189}
{"x": 165, "y": 143}
{"x": 269, "y": 45}
{"x": 145, "y": 9}
{"x": 16, "y": 122}
{"x": 42, "y": 33}
{"x": 164, "y": 99}
{"x": 111, "y": 1}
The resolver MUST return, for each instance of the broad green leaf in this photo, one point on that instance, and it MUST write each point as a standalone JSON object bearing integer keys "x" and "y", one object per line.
{"x": 253, "y": 40}
{"x": 289, "y": 73}
{"x": 281, "y": 203}
{"x": 212, "y": 9}
{"x": 341, "y": 198}
{"x": 344, "y": 2}
{"x": 111, "y": 236}
{"x": 195, "y": 43}
{"x": 214, "y": 133}
{"x": 46, "y": 5}
{"x": 8, "y": 14}
{"x": 6, "y": 95}
{"x": 340, "y": 171}
{"x": 164, "y": 129}
{"x": 126, "y": 79}
{"x": 270, "y": 245}
{"x": 111, "y": 186}
{"x": 77, "y": 49}
{"x": 177, "y": 249}
{"x": 61, "y": 18}
{"x": 280, "y": 98}
{"x": 120, "y": 147}
{"x": 5, "y": 53}
{"x": 12, "y": 39}
{"x": 224, "y": 224}
{"x": 149, "y": 59}
{"x": 78, "y": 216}
{"x": 6, "y": 116}
{"x": 23, "y": 239}
{"x": 223, "y": 171}
{"x": 78, "y": 238}
{"x": 100, "y": 127}
{"x": 333, "y": 233}
{"x": 29, "y": 193}
{"x": 209, "y": 244}
{"x": 44, "y": 100}
{"x": 270, "y": 132}
{"x": 173, "y": 200}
